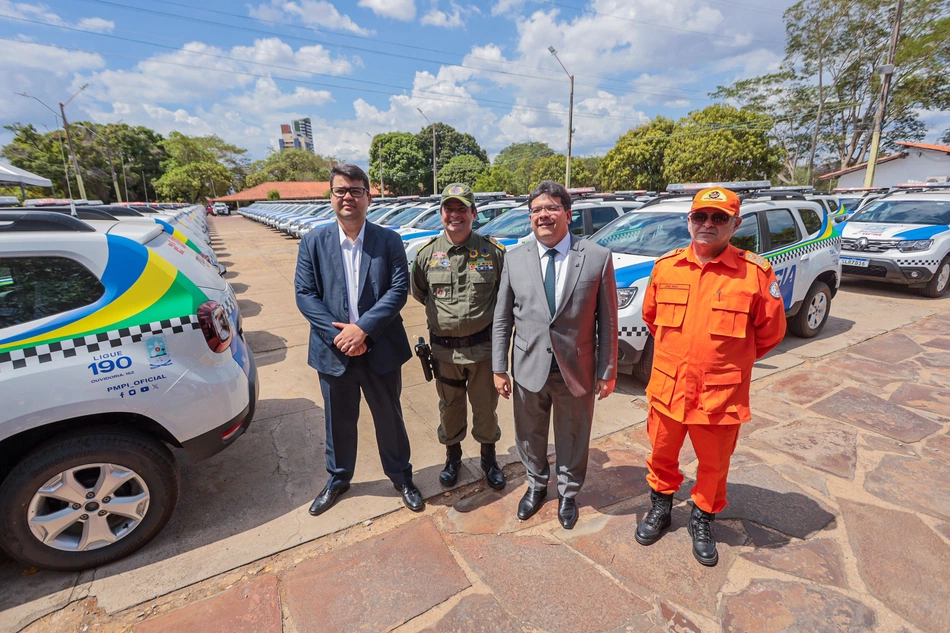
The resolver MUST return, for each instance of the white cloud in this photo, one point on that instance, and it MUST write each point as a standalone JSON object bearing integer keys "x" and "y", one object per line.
{"x": 315, "y": 13}
{"x": 443, "y": 19}
{"x": 96, "y": 24}
{"x": 397, "y": 9}
{"x": 504, "y": 6}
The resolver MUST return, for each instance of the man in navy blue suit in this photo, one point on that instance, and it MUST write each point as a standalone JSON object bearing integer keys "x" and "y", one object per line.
{"x": 352, "y": 280}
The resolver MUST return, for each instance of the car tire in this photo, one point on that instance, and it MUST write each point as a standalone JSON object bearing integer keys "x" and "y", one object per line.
{"x": 30, "y": 498}
{"x": 938, "y": 284}
{"x": 644, "y": 367}
{"x": 813, "y": 314}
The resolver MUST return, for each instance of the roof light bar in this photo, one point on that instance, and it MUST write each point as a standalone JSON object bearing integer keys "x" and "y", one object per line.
{"x": 632, "y": 192}
{"x": 922, "y": 185}
{"x": 489, "y": 194}
{"x": 857, "y": 189}
{"x": 738, "y": 185}
{"x": 576, "y": 191}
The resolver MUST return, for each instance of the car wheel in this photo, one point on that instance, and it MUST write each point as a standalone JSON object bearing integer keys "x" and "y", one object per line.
{"x": 939, "y": 283}
{"x": 813, "y": 315}
{"x": 87, "y": 499}
{"x": 644, "y": 367}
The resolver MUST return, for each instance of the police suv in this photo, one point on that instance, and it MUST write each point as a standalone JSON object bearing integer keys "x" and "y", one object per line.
{"x": 902, "y": 237}
{"x": 116, "y": 340}
{"x": 795, "y": 235}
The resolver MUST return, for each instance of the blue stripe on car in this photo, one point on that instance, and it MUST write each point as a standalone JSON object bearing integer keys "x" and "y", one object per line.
{"x": 922, "y": 233}
{"x": 627, "y": 275}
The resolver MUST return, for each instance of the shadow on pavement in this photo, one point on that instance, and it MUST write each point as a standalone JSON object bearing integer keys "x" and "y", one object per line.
{"x": 249, "y": 308}
{"x": 262, "y": 341}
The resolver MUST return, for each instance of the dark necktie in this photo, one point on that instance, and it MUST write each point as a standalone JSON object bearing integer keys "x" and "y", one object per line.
{"x": 550, "y": 281}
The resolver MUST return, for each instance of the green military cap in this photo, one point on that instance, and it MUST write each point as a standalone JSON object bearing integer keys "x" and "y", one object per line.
{"x": 458, "y": 191}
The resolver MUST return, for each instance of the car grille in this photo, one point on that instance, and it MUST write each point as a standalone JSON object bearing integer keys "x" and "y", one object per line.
{"x": 870, "y": 271}
{"x": 874, "y": 246}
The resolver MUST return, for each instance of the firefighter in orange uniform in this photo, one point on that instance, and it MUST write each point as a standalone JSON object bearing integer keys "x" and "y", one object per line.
{"x": 713, "y": 310}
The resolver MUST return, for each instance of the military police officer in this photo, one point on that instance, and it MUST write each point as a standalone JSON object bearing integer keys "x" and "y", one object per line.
{"x": 456, "y": 277}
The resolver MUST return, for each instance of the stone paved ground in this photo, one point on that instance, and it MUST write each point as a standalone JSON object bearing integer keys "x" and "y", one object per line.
{"x": 839, "y": 521}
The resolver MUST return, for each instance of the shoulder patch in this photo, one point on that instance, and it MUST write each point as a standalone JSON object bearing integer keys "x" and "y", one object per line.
{"x": 672, "y": 253}
{"x": 434, "y": 238}
{"x": 757, "y": 259}
{"x": 496, "y": 243}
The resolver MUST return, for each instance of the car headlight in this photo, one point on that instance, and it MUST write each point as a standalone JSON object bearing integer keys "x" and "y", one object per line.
{"x": 625, "y": 297}
{"x": 908, "y": 246}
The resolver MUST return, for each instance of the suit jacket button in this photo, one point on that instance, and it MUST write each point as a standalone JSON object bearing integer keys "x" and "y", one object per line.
{"x": 549, "y": 350}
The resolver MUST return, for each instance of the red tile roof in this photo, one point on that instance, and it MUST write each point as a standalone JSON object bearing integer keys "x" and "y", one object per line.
{"x": 936, "y": 148}
{"x": 288, "y": 191}
{"x": 842, "y": 172}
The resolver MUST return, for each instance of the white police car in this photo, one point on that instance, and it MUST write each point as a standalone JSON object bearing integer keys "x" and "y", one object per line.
{"x": 902, "y": 237}
{"x": 795, "y": 235}
{"x": 116, "y": 340}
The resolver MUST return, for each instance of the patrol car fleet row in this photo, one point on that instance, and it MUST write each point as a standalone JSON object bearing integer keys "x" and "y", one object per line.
{"x": 119, "y": 337}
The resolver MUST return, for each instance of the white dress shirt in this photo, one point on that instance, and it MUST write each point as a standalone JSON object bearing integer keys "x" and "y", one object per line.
{"x": 560, "y": 265}
{"x": 352, "y": 257}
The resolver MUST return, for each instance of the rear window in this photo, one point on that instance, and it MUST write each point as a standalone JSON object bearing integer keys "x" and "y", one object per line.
{"x": 33, "y": 288}
{"x": 811, "y": 220}
{"x": 782, "y": 229}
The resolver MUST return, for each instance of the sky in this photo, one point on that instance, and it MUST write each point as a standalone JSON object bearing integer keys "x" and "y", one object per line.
{"x": 363, "y": 67}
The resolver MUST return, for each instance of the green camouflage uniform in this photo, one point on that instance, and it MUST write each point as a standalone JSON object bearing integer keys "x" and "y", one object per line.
{"x": 458, "y": 286}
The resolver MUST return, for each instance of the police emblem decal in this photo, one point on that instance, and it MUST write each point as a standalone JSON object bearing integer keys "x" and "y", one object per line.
{"x": 455, "y": 189}
{"x": 774, "y": 291}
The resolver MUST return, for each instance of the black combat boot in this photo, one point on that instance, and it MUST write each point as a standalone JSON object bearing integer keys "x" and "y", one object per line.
{"x": 704, "y": 545}
{"x": 657, "y": 519}
{"x": 493, "y": 473}
{"x": 453, "y": 463}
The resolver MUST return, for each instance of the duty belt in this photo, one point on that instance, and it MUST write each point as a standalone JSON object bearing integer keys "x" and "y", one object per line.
{"x": 456, "y": 342}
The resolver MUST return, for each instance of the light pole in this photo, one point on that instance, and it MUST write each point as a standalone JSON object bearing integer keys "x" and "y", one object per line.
{"x": 382, "y": 183}
{"x": 570, "y": 120}
{"x": 105, "y": 140}
{"x": 887, "y": 71}
{"x": 69, "y": 139}
{"x": 125, "y": 179}
{"x": 435, "y": 182}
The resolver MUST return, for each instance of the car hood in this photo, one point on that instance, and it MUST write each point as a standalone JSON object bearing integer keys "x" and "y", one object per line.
{"x": 871, "y": 230}
{"x": 629, "y": 269}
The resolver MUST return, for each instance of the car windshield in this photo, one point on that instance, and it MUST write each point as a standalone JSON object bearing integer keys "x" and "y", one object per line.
{"x": 514, "y": 223}
{"x": 905, "y": 212}
{"x": 404, "y": 216}
{"x": 849, "y": 204}
{"x": 645, "y": 233}
{"x": 435, "y": 222}
{"x": 377, "y": 213}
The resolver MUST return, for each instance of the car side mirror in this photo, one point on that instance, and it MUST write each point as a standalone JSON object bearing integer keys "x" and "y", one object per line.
{"x": 842, "y": 218}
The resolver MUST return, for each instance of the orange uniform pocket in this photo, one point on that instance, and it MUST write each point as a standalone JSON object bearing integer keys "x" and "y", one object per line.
{"x": 663, "y": 380}
{"x": 720, "y": 388}
{"x": 671, "y": 303}
{"x": 729, "y": 316}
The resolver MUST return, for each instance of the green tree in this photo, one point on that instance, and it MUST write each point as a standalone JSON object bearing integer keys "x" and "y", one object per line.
{"x": 638, "y": 159}
{"x": 404, "y": 164}
{"x": 291, "y": 165}
{"x": 464, "y": 168}
{"x": 198, "y": 167}
{"x": 554, "y": 168}
{"x": 449, "y": 144}
{"x": 273, "y": 194}
{"x": 530, "y": 152}
{"x": 945, "y": 138}
{"x": 721, "y": 142}
{"x": 513, "y": 179}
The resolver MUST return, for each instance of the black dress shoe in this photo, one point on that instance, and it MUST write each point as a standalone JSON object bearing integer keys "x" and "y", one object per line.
{"x": 493, "y": 472}
{"x": 656, "y": 520}
{"x": 704, "y": 545}
{"x": 567, "y": 512}
{"x": 453, "y": 464}
{"x": 333, "y": 489}
{"x": 411, "y": 496}
{"x": 531, "y": 502}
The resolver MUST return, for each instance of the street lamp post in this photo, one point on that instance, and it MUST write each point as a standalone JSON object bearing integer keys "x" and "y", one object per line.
{"x": 125, "y": 179}
{"x": 105, "y": 140}
{"x": 435, "y": 182}
{"x": 887, "y": 71}
{"x": 69, "y": 140}
{"x": 570, "y": 120}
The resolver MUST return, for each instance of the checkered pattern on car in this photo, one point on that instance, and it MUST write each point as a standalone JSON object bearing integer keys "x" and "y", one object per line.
{"x": 230, "y": 303}
{"x": 929, "y": 263}
{"x": 797, "y": 252}
{"x": 48, "y": 352}
{"x": 633, "y": 332}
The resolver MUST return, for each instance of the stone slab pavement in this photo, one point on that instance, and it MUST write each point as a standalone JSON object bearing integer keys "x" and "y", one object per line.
{"x": 839, "y": 515}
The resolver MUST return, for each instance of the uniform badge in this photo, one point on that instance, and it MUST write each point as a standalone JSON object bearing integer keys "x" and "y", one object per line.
{"x": 774, "y": 290}
{"x": 473, "y": 253}
{"x": 445, "y": 263}
{"x": 441, "y": 292}
{"x": 484, "y": 252}
{"x": 433, "y": 263}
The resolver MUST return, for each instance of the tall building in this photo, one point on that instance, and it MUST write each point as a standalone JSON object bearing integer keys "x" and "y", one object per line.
{"x": 297, "y": 135}
{"x": 302, "y": 128}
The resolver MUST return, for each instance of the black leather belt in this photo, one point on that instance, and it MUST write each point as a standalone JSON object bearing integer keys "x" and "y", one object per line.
{"x": 456, "y": 342}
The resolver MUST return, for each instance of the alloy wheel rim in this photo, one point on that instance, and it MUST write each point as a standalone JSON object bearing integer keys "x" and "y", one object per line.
{"x": 944, "y": 277}
{"x": 816, "y": 310}
{"x": 88, "y": 507}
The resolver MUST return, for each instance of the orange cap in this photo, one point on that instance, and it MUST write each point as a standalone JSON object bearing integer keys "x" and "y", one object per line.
{"x": 716, "y": 198}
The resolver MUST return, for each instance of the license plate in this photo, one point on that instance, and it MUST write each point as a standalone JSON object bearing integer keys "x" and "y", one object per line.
{"x": 854, "y": 261}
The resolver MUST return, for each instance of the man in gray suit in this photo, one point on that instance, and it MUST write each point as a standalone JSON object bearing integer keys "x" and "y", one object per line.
{"x": 562, "y": 304}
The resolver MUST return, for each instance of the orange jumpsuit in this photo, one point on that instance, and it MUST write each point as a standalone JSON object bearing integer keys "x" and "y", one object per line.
{"x": 710, "y": 324}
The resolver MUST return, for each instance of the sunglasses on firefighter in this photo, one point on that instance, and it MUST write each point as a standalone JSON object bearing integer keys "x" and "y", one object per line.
{"x": 699, "y": 218}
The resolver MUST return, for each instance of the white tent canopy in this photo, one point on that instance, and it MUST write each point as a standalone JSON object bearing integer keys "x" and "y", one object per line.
{"x": 10, "y": 175}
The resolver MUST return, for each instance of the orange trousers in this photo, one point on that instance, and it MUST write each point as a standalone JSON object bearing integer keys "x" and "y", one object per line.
{"x": 713, "y": 445}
